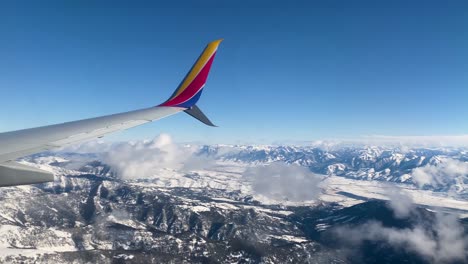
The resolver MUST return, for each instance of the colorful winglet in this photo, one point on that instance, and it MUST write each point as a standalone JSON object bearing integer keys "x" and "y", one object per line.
{"x": 190, "y": 89}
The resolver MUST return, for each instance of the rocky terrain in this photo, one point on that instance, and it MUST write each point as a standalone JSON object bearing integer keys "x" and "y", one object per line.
{"x": 91, "y": 214}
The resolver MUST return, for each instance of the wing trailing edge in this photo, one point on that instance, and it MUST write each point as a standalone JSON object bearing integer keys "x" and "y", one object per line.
{"x": 14, "y": 173}
{"x": 195, "y": 112}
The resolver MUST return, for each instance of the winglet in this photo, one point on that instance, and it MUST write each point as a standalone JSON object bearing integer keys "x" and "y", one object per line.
{"x": 195, "y": 112}
{"x": 188, "y": 92}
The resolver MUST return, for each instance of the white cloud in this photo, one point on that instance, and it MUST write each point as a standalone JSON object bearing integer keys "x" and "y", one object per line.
{"x": 280, "y": 181}
{"x": 399, "y": 201}
{"x": 438, "y": 240}
{"x": 442, "y": 242}
{"x": 144, "y": 159}
{"x": 94, "y": 146}
{"x": 440, "y": 175}
{"x": 420, "y": 141}
{"x": 395, "y": 141}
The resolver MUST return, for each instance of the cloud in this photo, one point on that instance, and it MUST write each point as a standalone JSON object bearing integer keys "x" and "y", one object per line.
{"x": 94, "y": 146}
{"x": 394, "y": 141}
{"x": 442, "y": 242}
{"x": 419, "y": 141}
{"x": 280, "y": 181}
{"x": 438, "y": 240}
{"x": 444, "y": 174}
{"x": 399, "y": 201}
{"x": 145, "y": 159}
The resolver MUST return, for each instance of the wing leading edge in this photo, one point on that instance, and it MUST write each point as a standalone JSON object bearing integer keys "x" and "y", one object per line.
{"x": 21, "y": 143}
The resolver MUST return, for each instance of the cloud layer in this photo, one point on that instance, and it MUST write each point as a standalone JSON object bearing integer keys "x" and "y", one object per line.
{"x": 393, "y": 141}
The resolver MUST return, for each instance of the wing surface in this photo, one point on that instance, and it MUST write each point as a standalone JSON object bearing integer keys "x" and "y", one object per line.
{"x": 21, "y": 143}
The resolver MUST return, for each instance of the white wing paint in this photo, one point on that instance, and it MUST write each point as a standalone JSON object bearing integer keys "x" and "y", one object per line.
{"x": 21, "y": 143}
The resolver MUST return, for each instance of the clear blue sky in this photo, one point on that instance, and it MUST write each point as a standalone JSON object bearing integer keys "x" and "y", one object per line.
{"x": 287, "y": 70}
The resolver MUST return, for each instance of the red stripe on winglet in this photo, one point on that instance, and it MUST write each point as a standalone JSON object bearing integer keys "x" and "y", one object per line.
{"x": 194, "y": 87}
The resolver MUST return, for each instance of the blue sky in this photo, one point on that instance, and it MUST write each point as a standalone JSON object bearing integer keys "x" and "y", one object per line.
{"x": 295, "y": 70}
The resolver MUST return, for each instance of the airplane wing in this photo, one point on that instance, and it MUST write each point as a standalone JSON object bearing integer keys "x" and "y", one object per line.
{"x": 21, "y": 143}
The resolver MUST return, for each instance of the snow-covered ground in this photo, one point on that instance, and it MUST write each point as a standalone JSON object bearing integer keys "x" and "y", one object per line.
{"x": 228, "y": 175}
{"x": 345, "y": 191}
{"x": 223, "y": 187}
{"x": 350, "y": 191}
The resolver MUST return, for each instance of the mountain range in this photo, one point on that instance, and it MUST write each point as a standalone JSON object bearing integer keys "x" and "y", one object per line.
{"x": 92, "y": 214}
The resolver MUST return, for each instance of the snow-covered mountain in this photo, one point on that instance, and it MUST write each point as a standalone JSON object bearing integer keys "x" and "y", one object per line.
{"x": 89, "y": 215}
{"x": 214, "y": 214}
{"x": 361, "y": 162}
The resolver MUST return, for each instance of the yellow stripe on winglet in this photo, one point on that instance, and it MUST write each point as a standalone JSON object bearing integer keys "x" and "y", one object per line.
{"x": 202, "y": 60}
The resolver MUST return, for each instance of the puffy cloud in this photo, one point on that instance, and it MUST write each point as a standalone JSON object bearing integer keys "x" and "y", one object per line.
{"x": 280, "y": 181}
{"x": 442, "y": 242}
{"x": 414, "y": 239}
{"x": 440, "y": 175}
{"x": 94, "y": 146}
{"x": 399, "y": 201}
{"x": 144, "y": 159}
{"x": 439, "y": 241}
